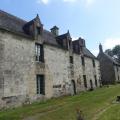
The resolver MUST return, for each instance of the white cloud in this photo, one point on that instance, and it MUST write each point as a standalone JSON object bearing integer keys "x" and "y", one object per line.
{"x": 110, "y": 43}
{"x": 74, "y": 38}
{"x": 43, "y": 1}
{"x": 107, "y": 44}
{"x": 89, "y": 2}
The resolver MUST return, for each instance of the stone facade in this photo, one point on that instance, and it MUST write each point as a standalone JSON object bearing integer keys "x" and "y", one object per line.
{"x": 61, "y": 65}
{"x": 110, "y": 69}
{"x": 117, "y": 73}
{"x": 87, "y": 70}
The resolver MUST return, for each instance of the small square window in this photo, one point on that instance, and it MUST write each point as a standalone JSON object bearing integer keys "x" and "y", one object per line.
{"x": 71, "y": 59}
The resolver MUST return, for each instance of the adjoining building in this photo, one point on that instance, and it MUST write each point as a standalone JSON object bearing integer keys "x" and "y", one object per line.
{"x": 110, "y": 68}
{"x": 36, "y": 64}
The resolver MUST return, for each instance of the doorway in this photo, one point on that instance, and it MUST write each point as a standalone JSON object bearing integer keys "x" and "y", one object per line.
{"x": 73, "y": 87}
{"x": 91, "y": 85}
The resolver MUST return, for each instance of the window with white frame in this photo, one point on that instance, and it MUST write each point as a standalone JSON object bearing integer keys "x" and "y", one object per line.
{"x": 40, "y": 84}
{"x": 39, "y": 52}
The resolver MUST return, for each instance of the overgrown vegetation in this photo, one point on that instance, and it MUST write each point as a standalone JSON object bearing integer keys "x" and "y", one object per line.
{"x": 115, "y": 52}
{"x": 95, "y": 105}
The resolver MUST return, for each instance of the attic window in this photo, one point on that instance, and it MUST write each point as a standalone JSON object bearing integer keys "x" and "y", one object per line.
{"x": 38, "y": 30}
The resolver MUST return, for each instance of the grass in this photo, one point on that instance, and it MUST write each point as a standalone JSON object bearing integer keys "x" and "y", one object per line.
{"x": 96, "y": 105}
{"x": 113, "y": 113}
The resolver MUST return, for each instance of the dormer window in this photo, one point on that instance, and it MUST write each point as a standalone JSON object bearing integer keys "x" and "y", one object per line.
{"x": 38, "y": 30}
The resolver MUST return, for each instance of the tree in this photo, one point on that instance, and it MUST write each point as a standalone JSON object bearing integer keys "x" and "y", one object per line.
{"x": 116, "y": 51}
{"x": 109, "y": 52}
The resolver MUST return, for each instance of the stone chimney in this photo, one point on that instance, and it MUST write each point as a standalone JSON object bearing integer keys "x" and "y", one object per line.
{"x": 100, "y": 49}
{"x": 55, "y": 31}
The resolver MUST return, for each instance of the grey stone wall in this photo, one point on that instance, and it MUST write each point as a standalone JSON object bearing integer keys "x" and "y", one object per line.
{"x": 87, "y": 70}
{"x": 1, "y": 66}
{"x": 57, "y": 70}
{"x": 18, "y": 70}
{"x": 117, "y": 73}
{"x": 78, "y": 73}
{"x": 91, "y": 71}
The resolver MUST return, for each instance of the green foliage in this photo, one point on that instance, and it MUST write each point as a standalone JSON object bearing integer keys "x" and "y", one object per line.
{"x": 114, "y": 52}
{"x": 109, "y": 52}
{"x": 90, "y": 103}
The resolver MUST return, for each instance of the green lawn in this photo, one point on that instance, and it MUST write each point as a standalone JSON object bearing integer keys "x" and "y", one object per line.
{"x": 95, "y": 105}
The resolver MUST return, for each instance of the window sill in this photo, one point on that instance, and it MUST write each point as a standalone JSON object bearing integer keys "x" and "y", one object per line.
{"x": 40, "y": 95}
{"x": 39, "y": 61}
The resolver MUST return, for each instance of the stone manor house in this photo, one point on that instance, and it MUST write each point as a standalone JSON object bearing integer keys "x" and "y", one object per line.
{"x": 36, "y": 64}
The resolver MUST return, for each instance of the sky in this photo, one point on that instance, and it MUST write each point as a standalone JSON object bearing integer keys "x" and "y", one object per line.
{"x": 97, "y": 21}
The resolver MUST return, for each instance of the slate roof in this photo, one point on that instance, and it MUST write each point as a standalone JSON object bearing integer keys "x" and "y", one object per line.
{"x": 61, "y": 37}
{"x": 14, "y": 24}
{"x": 11, "y": 23}
{"x": 49, "y": 38}
{"x": 80, "y": 43}
{"x": 87, "y": 53}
